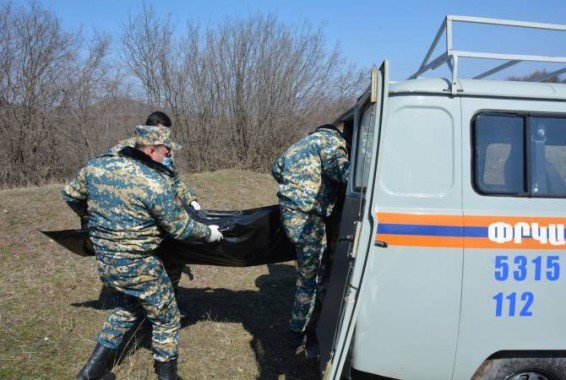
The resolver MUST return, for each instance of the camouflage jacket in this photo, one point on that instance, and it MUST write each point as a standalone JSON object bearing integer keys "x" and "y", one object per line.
{"x": 131, "y": 202}
{"x": 183, "y": 192}
{"x": 309, "y": 172}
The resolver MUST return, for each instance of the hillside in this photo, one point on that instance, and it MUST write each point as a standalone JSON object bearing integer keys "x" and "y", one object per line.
{"x": 52, "y": 305}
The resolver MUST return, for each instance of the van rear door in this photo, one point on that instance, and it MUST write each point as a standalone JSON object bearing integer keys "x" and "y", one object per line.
{"x": 337, "y": 319}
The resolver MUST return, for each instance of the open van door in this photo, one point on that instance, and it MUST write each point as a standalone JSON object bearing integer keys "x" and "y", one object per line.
{"x": 357, "y": 226}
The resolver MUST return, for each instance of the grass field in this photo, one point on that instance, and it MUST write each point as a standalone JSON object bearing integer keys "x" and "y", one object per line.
{"x": 52, "y": 306}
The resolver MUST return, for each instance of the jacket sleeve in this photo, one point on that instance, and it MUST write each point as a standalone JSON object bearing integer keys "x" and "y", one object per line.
{"x": 335, "y": 162}
{"x": 183, "y": 192}
{"x": 75, "y": 194}
{"x": 277, "y": 168}
{"x": 174, "y": 219}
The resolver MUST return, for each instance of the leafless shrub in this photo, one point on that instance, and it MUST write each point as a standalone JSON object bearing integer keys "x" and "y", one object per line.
{"x": 240, "y": 91}
{"x": 48, "y": 94}
{"x": 538, "y": 76}
{"x": 35, "y": 55}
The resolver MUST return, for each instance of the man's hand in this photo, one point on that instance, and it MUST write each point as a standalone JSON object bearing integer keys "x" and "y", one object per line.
{"x": 195, "y": 205}
{"x": 215, "y": 235}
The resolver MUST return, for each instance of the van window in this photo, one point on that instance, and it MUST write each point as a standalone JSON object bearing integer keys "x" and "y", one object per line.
{"x": 363, "y": 150}
{"x": 520, "y": 155}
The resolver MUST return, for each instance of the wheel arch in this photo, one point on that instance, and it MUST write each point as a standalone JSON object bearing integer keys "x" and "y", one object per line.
{"x": 551, "y": 364}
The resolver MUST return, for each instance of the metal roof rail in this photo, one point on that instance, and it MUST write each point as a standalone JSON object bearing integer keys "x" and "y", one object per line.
{"x": 451, "y": 56}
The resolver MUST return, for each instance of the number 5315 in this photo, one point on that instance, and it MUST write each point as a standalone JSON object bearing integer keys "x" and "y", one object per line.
{"x": 520, "y": 268}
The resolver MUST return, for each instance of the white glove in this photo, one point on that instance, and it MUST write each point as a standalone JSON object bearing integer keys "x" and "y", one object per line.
{"x": 195, "y": 205}
{"x": 215, "y": 235}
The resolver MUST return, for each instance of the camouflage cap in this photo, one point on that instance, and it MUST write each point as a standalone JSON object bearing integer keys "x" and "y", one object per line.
{"x": 155, "y": 135}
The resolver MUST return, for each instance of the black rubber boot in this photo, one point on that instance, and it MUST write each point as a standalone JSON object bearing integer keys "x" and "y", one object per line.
{"x": 166, "y": 370}
{"x": 98, "y": 365}
{"x": 311, "y": 345}
{"x": 296, "y": 342}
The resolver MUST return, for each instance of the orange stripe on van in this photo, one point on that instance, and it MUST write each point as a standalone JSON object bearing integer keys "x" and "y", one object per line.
{"x": 475, "y": 231}
{"x": 458, "y": 220}
{"x": 429, "y": 219}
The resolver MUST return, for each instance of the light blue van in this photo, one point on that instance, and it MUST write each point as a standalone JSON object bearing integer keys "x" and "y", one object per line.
{"x": 451, "y": 260}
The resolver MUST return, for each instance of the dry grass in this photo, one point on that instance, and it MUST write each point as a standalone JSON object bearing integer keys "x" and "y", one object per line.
{"x": 51, "y": 304}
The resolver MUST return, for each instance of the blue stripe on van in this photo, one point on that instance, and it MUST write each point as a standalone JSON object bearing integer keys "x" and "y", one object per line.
{"x": 420, "y": 230}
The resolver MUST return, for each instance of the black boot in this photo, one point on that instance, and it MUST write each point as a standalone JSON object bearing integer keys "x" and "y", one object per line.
{"x": 295, "y": 341}
{"x": 166, "y": 370}
{"x": 311, "y": 345}
{"x": 98, "y": 364}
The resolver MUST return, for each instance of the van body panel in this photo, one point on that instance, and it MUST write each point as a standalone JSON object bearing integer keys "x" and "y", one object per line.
{"x": 411, "y": 293}
{"x": 395, "y": 308}
{"x": 522, "y": 309}
{"x": 409, "y": 170}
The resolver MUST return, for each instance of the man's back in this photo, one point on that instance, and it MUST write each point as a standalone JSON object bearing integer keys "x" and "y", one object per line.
{"x": 129, "y": 202}
{"x": 121, "y": 194}
{"x": 305, "y": 171}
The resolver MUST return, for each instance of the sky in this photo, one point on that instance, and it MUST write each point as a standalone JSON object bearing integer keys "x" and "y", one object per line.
{"x": 367, "y": 32}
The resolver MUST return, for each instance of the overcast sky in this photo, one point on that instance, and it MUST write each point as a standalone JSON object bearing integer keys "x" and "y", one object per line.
{"x": 368, "y": 31}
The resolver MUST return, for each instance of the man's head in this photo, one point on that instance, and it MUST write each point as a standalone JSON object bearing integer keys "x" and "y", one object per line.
{"x": 158, "y": 118}
{"x": 155, "y": 141}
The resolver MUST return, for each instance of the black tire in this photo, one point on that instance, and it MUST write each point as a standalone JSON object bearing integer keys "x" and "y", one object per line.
{"x": 550, "y": 368}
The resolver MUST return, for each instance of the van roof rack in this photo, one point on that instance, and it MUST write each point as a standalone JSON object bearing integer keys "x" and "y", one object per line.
{"x": 451, "y": 56}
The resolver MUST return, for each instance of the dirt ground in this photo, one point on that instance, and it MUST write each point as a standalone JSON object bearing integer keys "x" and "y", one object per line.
{"x": 52, "y": 303}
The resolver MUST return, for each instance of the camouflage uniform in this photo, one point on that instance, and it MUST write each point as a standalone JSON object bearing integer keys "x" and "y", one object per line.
{"x": 174, "y": 270}
{"x": 308, "y": 174}
{"x": 131, "y": 200}
{"x": 182, "y": 191}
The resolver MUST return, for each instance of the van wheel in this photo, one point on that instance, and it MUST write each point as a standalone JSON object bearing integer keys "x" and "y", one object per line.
{"x": 522, "y": 369}
{"x": 531, "y": 375}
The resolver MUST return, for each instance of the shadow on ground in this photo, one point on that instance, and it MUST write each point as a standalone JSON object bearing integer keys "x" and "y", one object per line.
{"x": 263, "y": 313}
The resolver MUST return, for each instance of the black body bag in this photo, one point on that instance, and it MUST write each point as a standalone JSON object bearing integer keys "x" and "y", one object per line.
{"x": 251, "y": 237}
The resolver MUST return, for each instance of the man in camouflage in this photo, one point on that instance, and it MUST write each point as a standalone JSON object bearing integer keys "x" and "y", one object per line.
{"x": 183, "y": 193}
{"x": 130, "y": 201}
{"x": 309, "y": 174}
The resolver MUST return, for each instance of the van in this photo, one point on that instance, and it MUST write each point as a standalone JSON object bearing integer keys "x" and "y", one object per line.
{"x": 450, "y": 260}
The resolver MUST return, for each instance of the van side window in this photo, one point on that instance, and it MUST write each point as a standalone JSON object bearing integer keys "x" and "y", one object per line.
{"x": 520, "y": 155}
{"x": 363, "y": 148}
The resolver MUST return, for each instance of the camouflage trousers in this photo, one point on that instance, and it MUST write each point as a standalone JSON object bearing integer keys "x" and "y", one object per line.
{"x": 140, "y": 285}
{"x": 308, "y": 233}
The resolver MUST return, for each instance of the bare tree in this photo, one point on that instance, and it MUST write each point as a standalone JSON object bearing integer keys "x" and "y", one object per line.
{"x": 36, "y": 55}
{"x": 47, "y": 93}
{"x": 88, "y": 118}
{"x": 538, "y": 75}
{"x": 239, "y": 91}
{"x": 147, "y": 49}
